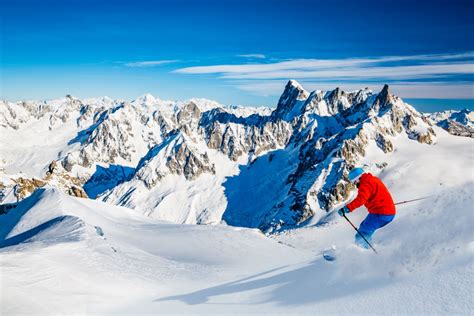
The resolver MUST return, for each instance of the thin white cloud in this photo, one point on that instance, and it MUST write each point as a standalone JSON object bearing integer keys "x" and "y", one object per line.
{"x": 150, "y": 63}
{"x": 302, "y": 64}
{"x": 436, "y": 90}
{"x": 355, "y": 73}
{"x": 437, "y": 73}
{"x": 303, "y": 67}
{"x": 257, "y": 56}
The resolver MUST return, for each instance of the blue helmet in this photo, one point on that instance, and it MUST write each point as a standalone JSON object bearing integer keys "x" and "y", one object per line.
{"x": 355, "y": 174}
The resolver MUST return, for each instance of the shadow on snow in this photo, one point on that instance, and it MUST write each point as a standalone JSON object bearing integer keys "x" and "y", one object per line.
{"x": 310, "y": 283}
{"x": 107, "y": 178}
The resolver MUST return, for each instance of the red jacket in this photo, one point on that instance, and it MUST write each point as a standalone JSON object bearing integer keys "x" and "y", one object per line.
{"x": 374, "y": 195}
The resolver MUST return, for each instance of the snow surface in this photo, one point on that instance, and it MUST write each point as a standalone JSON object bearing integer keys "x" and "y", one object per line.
{"x": 35, "y": 147}
{"x": 61, "y": 254}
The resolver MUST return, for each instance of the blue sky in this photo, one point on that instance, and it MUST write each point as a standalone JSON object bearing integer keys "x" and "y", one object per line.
{"x": 235, "y": 52}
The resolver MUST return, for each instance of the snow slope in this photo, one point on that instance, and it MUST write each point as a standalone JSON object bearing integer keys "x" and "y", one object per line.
{"x": 61, "y": 254}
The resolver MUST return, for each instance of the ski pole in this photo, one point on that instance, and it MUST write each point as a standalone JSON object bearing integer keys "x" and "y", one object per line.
{"x": 368, "y": 243}
{"x": 403, "y": 202}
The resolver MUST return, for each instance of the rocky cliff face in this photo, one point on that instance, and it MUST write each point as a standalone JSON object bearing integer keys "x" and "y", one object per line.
{"x": 176, "y": 155}
{"x": 200, "y": 162}
{"x": 16, "y": 188}
{"x": 332, "y": 134}
{"x": 324, "y": 134}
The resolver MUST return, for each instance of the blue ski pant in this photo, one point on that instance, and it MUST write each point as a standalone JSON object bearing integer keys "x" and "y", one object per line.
{"x": 369, "y": 225}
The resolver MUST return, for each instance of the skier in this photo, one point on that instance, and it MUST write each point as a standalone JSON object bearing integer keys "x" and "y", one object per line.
{"x": 375, "y": 196}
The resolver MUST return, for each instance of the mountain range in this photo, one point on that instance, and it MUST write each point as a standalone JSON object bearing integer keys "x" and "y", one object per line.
{"x": 200, "y": 162}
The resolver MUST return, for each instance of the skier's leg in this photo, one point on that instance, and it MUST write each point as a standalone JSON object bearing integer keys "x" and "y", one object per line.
{"x": 367, "y": 228}
{"x": 369, "y": 225}
{"x": 383, "y": 220}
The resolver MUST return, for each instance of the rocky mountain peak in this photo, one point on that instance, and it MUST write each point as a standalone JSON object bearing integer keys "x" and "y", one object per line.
{"x": 176, "y": 155}
{"x": 336, "y": 101}
{"x": 145, "y": 100}
{"x": 291, "y": 101}
{"x": 334, "y": 95}
{"x": 384, "y": 99}
{"x": 189, "y": 114}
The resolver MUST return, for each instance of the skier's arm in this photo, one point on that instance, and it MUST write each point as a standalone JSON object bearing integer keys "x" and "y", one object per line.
{"x": 362, "y": 197}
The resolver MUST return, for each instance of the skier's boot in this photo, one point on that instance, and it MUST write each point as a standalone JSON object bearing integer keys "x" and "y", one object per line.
{"x": 359, "y": 241}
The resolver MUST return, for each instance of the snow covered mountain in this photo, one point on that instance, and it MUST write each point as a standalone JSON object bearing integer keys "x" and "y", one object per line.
{"x": 460, "y": 123}
{"x": 201, "y": 162}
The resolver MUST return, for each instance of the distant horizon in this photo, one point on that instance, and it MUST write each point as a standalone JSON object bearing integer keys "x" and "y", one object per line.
{"x": 425, "y": 105}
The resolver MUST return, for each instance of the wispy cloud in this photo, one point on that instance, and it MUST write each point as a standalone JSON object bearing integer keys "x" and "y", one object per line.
{"x": 403, "y": 72}
{"x": 332, "y": 67}
{"x": 150, "y": 63}
{"x": 257, "y": 56}
{"x": 358, "y": 73}
{"x": 433, "y": 89}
